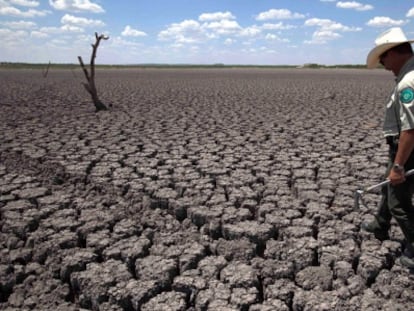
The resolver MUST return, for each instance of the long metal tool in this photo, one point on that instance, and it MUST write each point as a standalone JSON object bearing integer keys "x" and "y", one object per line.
{"x": 359, "y": 193}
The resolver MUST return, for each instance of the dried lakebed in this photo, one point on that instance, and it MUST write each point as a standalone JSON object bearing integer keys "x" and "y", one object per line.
{"x": 213, "y": 189}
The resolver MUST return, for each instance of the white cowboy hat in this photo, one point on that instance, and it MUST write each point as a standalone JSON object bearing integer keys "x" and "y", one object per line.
{"x": 385, "y": 41}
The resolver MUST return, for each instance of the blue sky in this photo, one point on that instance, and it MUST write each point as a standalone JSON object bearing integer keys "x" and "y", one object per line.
{"x": 263, "y": 32}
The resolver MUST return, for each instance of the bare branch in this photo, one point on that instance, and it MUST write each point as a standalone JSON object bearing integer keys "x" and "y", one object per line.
{"x": 94, "y": 49}
{"x": 85, "y": 71}
{"x": 46, "y": 71}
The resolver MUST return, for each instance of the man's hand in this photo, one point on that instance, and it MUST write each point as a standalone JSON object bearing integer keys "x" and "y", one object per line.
{"x": 396, "y": 177}
{"x": 405, "y": 148}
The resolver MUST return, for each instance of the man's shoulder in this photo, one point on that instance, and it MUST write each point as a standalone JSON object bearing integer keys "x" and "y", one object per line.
{"x": 405, "y": 89}
{"x": 407, "y": 80}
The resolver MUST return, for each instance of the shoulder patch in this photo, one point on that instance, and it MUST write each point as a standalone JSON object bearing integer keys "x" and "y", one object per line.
{"x": 407, "y": 95}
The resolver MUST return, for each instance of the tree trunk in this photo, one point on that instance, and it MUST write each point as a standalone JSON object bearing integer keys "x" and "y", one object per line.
{"x": 90, "y": 78}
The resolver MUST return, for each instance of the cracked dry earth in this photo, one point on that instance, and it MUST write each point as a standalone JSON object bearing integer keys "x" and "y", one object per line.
{"x": 213, "y": 189}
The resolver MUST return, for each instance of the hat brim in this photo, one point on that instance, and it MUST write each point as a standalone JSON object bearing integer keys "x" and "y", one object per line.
{"x": 373, "y": 57}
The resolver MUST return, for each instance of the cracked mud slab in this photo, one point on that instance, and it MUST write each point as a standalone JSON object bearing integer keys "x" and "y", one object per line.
{"x": 228, "y": 189}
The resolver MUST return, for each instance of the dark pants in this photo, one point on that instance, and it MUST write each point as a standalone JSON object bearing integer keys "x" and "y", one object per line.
{"x": 396, "y": 201}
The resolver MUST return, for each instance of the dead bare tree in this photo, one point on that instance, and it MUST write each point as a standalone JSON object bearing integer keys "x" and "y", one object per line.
{"x": 90, "y": 78}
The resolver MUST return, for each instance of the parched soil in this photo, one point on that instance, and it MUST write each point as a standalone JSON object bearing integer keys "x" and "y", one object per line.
{"x": 213, "y": 189}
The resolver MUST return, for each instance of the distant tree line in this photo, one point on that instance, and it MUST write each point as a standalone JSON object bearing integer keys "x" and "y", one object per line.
{"x": 118, "y": 66}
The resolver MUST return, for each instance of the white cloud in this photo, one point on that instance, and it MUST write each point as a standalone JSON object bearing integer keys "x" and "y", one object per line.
{"x": 327, "y": 31}
{"x": 383, "y": 21}
{"x": 38, "y": 34}
{"x": 215, "y": 25}
{"x": 327, "y": 24}
{"x": 410, "y": 13}
{"x": 323, "y": 36}
{"x": 191, "y": 31}
{"x": 12, "y": 38}
{"x": 26, "y": 3}
{"x": 273, "y": 37}
{"x": 278, "y": 26}
{"x": 223, "y": 27}
{"x": 13, "y": 11}
{"x": 57, "y": 42}
{"x": 205, "y": 17}
{"x": 19, "y": 25}
{"x": 188, "y": 31}
{"x": 71, "y": 28}
{"x": 7, "y": 33}
{"x": 251, "y": 31}
{"x": 76, "y": 6}
{"x": 265, "y": 49}
{"x": 130, "y": 32}
{"x": 229, "y": 41}
{"x": 81, "y": 21}
{"x": 354, "y": 5}
{"x": 278, "y": 14}
{"x": 119, "y": 41}
{"x": 61, "y": 30}
{"x": 50, "y": 30}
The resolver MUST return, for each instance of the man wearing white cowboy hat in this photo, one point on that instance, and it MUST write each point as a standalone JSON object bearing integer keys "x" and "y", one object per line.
{"x": 394, "y": 51}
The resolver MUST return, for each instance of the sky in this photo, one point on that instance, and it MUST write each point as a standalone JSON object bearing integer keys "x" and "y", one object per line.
{"x": 246, "y": 32}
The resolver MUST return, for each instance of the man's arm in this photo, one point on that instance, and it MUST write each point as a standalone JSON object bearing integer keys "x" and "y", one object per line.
{"x": 405, "y": 148}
